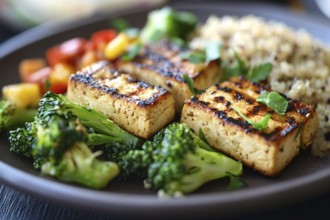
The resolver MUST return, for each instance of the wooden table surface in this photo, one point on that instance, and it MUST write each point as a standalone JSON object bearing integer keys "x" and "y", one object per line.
{"x": 18, "y": 205}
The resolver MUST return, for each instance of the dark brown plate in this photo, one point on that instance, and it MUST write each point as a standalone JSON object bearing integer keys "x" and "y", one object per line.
{"x": 304, "y": 178}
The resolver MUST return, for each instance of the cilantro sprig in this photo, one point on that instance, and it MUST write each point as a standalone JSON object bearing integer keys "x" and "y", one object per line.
{"x": 259, "y": 125}
{"x": 274, "y": 101}
{"x": 211, "y": 52}
{"x": 190, "y": 82}
{"x": 241, "y": 68}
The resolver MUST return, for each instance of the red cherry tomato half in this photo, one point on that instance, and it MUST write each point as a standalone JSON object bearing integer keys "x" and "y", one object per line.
{"x": 66, "y": 52}
{"x": 100, "y": 38}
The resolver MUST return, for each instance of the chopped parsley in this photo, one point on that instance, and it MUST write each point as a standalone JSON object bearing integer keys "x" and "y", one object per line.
{"x": 274, "y": 101}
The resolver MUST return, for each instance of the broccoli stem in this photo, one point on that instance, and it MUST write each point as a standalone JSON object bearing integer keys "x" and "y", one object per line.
{"x": 201, "y": 167}
{"x": 79, "y": 165}
{"x": 11, "y": 116}
{"x": 20, "y": 116}
{"x": 90, "y": 118}
{"x": 101, "y": 139}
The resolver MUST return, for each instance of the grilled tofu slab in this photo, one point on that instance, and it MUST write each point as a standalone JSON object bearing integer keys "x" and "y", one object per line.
{"x": 268, "y": 151}
{"x": 161, "y": 64}
{"x": 136, "y": 106}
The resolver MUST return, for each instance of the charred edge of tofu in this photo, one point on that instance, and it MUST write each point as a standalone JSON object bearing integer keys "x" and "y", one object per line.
{"x": 91, "y": 82}
{"x": 301, "y": 109}
{"x": 161, "y": 63}
{"x": 97, "y": 66}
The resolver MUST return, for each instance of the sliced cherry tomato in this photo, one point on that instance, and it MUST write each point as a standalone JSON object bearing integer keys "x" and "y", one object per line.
{"x": 100, "y": 38}
{"x": 66, "y": 52}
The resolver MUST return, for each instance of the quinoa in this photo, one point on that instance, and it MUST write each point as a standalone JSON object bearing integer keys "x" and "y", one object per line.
{"x": 301, "y": 64}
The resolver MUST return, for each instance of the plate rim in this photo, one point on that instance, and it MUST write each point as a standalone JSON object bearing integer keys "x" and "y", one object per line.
{"x": 120, "y": 202}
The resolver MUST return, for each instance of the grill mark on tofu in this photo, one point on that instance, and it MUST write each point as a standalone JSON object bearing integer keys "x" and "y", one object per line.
{"x": 267, "y": 151}
{"x": 88, "y": 80}
{"x": 161, "y": 64}
{"x": 136, "y": 106}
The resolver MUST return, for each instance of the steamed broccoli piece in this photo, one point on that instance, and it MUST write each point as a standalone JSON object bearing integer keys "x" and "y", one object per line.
{"x": 181, "y": 162}
{"x": 60, "y": 143}
{"x": 11, "y": 116}
{"x": 175, "y": 162}
{"x": 79, "y": 164}
{"x": 22, "y": 139}
{"x": 90, "y": 118}
{"x": 57, "y": 143}
{"x": 167, "y": 23}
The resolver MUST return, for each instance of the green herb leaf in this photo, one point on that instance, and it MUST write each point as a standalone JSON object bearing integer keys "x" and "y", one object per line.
{"x": 259, "y": 125}
{"x": 260, "y": 72}
{"x": 274, "y": 101}
{"x": 235, "y": 182}
{"x": 132, "y": 52}
{"x": 241, "y": 68}
{"x": 195, "y": 57}
{"x": 190, "y": 82}
{"x": 202, "y": 136}
{"x": 119, "y": 24}
{"x": 213, "y": 51}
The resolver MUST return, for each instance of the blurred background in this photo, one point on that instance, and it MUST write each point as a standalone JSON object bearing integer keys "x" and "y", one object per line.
{"x": 19, "y": 15}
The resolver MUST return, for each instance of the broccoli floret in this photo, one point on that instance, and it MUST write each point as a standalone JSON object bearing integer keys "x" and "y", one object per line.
{"x": 90, "y": 118}
{"x": 168, "y": 23}
{"x": 59, "y": 142}
{"x": 79, "y": 164}
{"x": 22, "y": 139}
{"x": 175, "y": 162}
{"x": 11, "y": 116}
{"x": 133, "y": 162}
{"x": 181, "y": 162}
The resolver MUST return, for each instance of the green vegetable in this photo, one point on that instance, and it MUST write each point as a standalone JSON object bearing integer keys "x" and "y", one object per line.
{"x": 195, "y": 57}
{"x": 59, "y": 138}
{"x": 176, "y": 161}
{"x": 274, "y": 101}
{"x": 80, "y": 165}
{"x": 211, "y": 52}
{"x": 190, "y": 82}
{"x": 119, "y": 24}
{"x": 235, "y": 182}
{"x": 241, "y": 68}
{"x": 11, "y": 116}
{"x": 167, "y": 23}
{"x": 259, "y": 125}
{"x": 90, "y": 118}
{"x": 132, "y": 52}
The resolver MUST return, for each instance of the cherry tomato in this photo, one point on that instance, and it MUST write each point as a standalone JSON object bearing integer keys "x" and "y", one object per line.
{"x": 66, "y": 52}
{"x": 100, "y": 38}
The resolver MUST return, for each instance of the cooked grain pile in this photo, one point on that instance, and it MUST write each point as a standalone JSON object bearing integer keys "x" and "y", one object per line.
{"x": 301, "y": 64}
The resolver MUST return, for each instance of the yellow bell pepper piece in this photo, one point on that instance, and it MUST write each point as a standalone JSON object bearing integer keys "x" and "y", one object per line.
{"x": 117, "y": 46}
{"x": 23, "y": 95}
